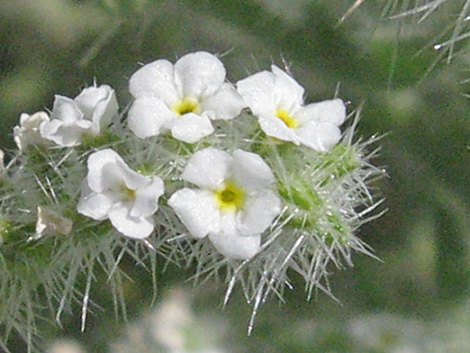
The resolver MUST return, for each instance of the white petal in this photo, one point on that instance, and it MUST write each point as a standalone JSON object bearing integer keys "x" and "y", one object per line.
{"x": 105, "y": 110}
{"x": 275, "y": 127}
{"x": 146, "y": 202}
{"x": 259, "y": 213}
{"x": 251, "y": 171}
{"x": 66, "y": 110}
{"x": 131, "y": 178}
{"x": 191, "y": 128}
{"x": 320, "y": 137}
{"x": 34, "y": 120}
{"x": 197, "y": 211}
{"x": 207, "y": 168}
{"x": 50, "y": 128}
{"x": 27, "y": 133}
{"x": 68, "y": 136}
{"x": 258, "y": 92}
{"x": 225, "y": 104}
{"x": 95, "y": 206}
{"x": 94, "y": 101}
{"x": 156, "y": 80}
{"x": 148, "y": 116}
{"x": 20, "y": 138}
{"x": 133, "y": 227}
{"x": 106, "y": 169}
{"x": 60, "y": 133}
{"x": 102, "y": 170}
{"x": 107, "y": 177}
{"x": 88, "y": 99}
{"x": 200, "y": 73}
{"x": 287, "y": 90}
{"x": 331, "y": 111}
{"x": 231, "y": 243}
{"x": 82, "y": 124}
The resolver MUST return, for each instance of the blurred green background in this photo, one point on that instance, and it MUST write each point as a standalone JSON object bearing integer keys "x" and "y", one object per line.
{"x": 417, "y": 300}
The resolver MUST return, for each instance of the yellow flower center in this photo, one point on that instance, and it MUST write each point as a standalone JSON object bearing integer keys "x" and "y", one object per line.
{"x": 126, "y": 193}
{"x": 230, "y": 197}
{"x": 289, "y": 120}
{"x": 187, "y": 105}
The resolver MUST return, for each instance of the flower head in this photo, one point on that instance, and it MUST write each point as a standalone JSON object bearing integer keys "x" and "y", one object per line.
{"x": 234, "y": 204}
{"x": 182, "y": 98}
{"x": 277, "y": 100}
{"x": 27, "y": 132}
{"x": 113, "y": 191}
{"x": 89, "y": 112}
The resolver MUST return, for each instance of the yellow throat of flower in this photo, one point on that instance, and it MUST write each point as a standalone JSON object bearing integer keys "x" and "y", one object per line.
{"x": 187, "y": 105}
{"x": 289, "y": 120}
{"x": 126, "y": 193}
{"x": 230, "y": 197}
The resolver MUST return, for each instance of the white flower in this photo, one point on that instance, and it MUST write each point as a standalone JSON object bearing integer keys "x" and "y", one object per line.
{"x": 113, "y": 191}
{"x": 90, "y": 112}
{"x": 182, "y": 98}
{"x": 27, "y": 133}
{"x": 234, "y": 203}
{"x": 277, "y": 100}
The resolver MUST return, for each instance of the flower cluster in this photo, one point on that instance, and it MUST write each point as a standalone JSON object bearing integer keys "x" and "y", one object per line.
{"x": 246, "y": 176}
